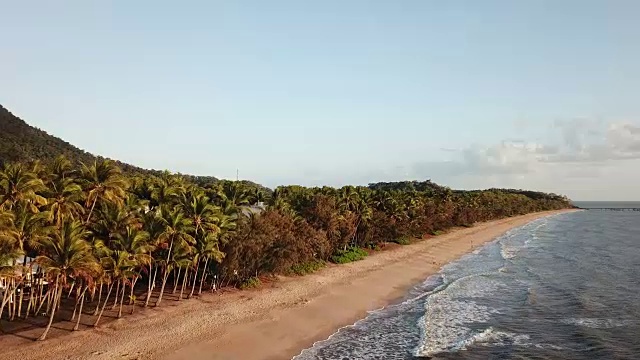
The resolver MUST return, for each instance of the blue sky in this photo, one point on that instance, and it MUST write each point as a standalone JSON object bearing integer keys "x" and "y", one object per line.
{"x": 472, "y": 94}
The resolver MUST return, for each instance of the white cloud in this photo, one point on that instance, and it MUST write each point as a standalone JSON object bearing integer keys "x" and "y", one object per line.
{"x": 576, "y": 159}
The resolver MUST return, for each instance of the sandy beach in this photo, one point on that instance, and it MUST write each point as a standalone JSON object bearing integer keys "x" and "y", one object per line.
{"x": 275, "y": 322}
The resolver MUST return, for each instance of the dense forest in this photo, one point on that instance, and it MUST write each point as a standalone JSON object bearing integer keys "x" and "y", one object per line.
{"x": 100, "y": 234}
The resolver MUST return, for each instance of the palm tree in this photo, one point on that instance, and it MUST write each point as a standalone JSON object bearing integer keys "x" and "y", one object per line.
{"x": 9, "y": 252}
{"x": 66, "y": 254}
{"x": 64, "y": 195}
{"x": 176, "y": 234}
{"x": 166, "y": 190}
{"x": 209, "y": 223}
{"x": 349, "y": 197}
{"x": 61, "y": 168}
{"x": 135, "y": 243}
{"x": 236, "y": 192}
{"x": 123, "y": 271}
{"x": 142, "y": 187}
{"x": 118, "y": 268}
{"x": 182, "y": 258}
{"x": 103, "y": 181}
{"x": 203, "y": 215}
{"x": 17, "y": 184}
{"x": 112, "y": 219}
{"x": 154, "y": 225}
{"x": 105, "y": 277}
{"x": 27, "y": 230}
{"x": 206, "y": 247}
{"x": 9, "y": 272}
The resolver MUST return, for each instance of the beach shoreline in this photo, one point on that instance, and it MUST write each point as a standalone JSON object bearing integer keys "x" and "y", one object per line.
{"x": 276, "y": 322}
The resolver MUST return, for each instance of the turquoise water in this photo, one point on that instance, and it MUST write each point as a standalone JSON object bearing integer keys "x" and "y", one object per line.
{"x": 561, "y": 287}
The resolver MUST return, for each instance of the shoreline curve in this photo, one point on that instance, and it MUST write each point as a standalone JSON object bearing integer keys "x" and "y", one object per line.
{"x": 279, "y": 321}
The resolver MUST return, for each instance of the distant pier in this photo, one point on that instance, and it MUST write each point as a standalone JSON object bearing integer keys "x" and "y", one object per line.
{"x": 612, "y": 208}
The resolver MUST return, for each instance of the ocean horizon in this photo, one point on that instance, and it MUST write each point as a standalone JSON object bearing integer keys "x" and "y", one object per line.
{"x": 607, "y": 204}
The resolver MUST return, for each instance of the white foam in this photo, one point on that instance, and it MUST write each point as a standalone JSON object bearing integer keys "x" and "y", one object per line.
{"x": 492, "y": 337}
{"x": 486, "y": 337}
{"x": 549, "y": 346}
{"x": 507, "y": 252}
{"x": 597, "y": 323}
{"x": 510, "y": 245}
{"x": 445, "y": 323}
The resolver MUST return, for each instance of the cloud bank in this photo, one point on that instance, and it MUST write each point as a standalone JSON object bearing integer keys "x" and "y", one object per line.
{"x": 583, "y": 158}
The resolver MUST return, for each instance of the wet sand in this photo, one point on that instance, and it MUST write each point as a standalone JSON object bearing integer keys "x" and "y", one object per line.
{"x": 276, "y": 322}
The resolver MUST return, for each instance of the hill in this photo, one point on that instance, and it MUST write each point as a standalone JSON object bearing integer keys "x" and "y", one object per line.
{"x": 21, "y": 142}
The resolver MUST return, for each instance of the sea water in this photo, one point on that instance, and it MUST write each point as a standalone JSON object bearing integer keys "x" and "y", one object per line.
{"x": 561, "y": 287}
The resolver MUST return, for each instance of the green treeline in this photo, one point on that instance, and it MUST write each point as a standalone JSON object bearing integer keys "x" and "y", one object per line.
{"x": 100, "y": 234}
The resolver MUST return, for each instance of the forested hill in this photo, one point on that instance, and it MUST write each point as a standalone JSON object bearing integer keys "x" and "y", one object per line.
{"x": 21, "y": 142}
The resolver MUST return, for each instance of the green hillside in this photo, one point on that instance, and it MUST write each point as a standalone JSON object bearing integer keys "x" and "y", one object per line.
{"x": 21, "y": 142}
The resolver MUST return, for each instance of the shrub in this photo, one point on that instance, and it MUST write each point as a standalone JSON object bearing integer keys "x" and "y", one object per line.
{"x": 349, "y": 255}
{"x": 307, "y": 267}
{"x": 250, "y": 283}
{"x": 437, "y": 232}
{"x": 402, "y": 241}
{"x": 374, "y": 247}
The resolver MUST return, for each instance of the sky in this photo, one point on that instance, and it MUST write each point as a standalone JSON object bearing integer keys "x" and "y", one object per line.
{"x": 540, "y": 95}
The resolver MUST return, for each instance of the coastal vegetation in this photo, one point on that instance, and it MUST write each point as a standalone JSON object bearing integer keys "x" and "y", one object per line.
{"x": 82, "y": 237}
{"x": 106, "y": 238}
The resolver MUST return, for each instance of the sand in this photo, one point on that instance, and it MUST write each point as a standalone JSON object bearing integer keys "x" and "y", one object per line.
{"x": 275, "y": 322}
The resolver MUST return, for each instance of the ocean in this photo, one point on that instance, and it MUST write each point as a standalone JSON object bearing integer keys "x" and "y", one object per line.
{"x": 561, "y": 287}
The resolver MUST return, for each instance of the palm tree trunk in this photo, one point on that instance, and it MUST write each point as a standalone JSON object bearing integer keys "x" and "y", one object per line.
{"x": 41, "y": 286}
{"x": 152, "y": 284}
{"x": 5, "y": 299}
{"x": 75, "y": 328}
{"x": 355, "y": 233}
{"x": 92, "y": 294}
{"x": 30, "y": 305}
{"x": 184, "y": 280}
{"x": 71, "y": 290}
{"x": 166, "y": 274}
{"x": 44, "y": 299}
{"x": 75, "y": 307}
{"x": 132, "y": 301}
{"x": 106, "y": 300}
{"x": 175, "y": 281}
{"x": 95, "y": 312}
{"x": 195, "y": 277}
{"x": 31, "y": 297}
{"x": 133, "y": 285}
{"x": 90, "y": 211}
{"x": 12, "y": 304}
{"x": 204, "y": 271}
{"x": 59, "y": 301}
{"x": 56, "y": 293}
{"x": 155, "y": 272}
{"x": 115, "y": 300}
{"x": 34, "y": 288}
{"x": 121, "y": 299}
{"x": 24, "y": 278}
